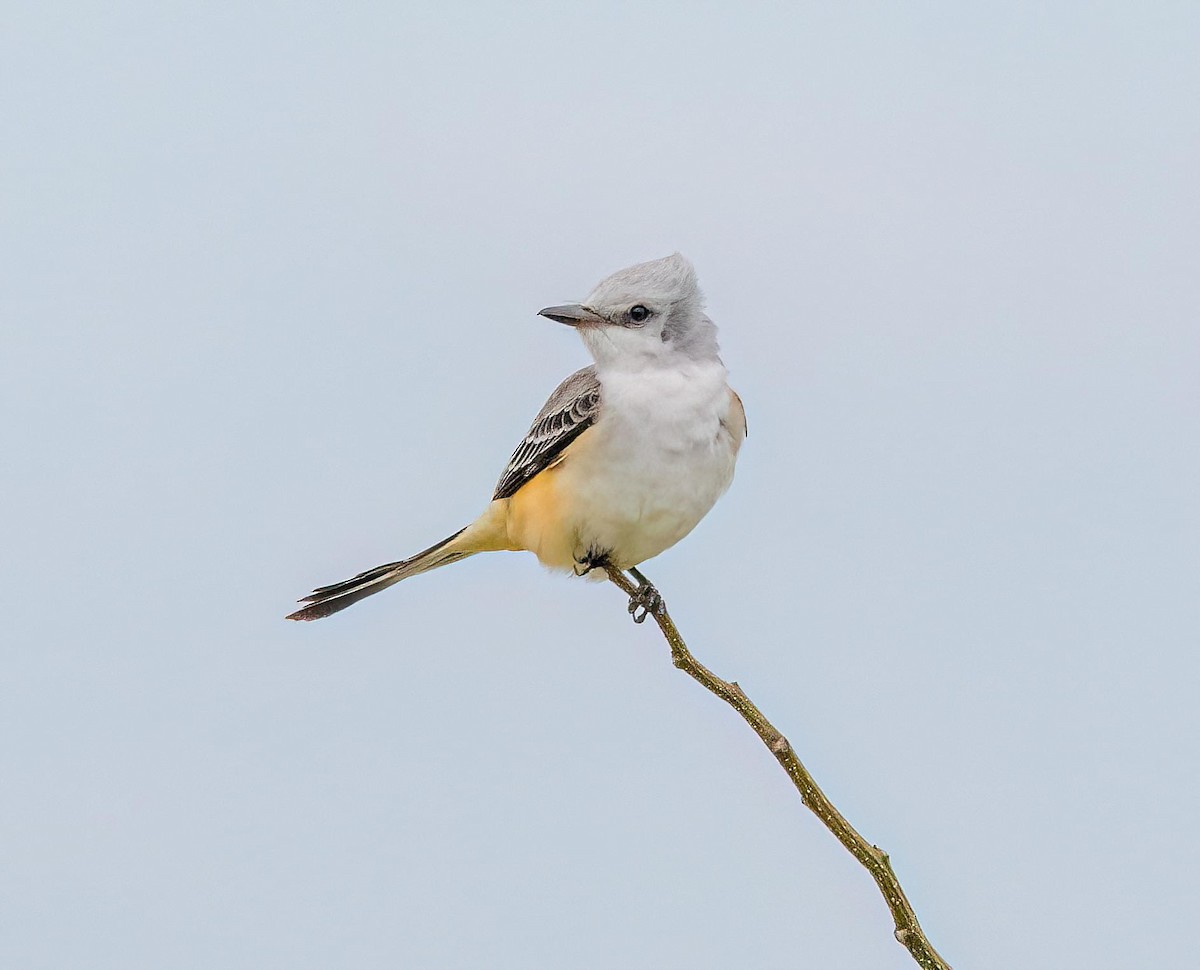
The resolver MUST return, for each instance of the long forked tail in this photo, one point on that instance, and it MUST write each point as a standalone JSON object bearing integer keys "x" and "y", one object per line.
{"x": 329, "y": 599}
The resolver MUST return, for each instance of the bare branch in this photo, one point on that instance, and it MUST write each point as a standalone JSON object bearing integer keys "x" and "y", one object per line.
{"x": 908, "y": 931}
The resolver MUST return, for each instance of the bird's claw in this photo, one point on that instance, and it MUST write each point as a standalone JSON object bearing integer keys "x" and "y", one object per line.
{"x": 643, "y": 601}
{"x": 589, "y": 561}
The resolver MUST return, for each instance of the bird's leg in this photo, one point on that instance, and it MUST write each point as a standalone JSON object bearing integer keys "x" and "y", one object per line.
{"x": 645, "y": 599}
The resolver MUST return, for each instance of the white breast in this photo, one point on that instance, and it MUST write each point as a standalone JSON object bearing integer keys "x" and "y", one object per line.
{"x": 663, "y": 454}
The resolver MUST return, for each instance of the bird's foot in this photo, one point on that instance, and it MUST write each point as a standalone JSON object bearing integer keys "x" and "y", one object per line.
{"x": 592, "y": 559}
{"x": 645, "y": 599}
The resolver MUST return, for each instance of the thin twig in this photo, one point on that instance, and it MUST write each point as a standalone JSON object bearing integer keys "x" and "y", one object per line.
{"x": 873, "y": 859}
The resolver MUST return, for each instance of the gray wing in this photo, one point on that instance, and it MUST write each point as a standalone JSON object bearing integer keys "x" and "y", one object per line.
{"x": 571, "y": 410}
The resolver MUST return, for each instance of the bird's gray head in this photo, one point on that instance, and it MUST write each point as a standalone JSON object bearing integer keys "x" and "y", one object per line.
{"x": 646, "y": 313}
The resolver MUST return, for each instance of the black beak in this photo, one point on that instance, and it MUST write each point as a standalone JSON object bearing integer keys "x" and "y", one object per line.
{"x": 573, "y": 315}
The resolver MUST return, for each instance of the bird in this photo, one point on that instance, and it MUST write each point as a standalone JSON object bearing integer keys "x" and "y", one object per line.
{"x": 623, "y": 460}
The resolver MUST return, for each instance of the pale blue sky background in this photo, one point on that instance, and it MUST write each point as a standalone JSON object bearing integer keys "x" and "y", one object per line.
{"x": 268, "y": 277}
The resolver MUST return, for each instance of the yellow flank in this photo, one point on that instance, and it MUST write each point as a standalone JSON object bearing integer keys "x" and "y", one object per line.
{"x": 536, "y": 518}
{"x": 540, "y": 516}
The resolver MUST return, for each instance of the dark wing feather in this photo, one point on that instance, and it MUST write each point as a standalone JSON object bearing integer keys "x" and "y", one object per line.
{"x": 571, "y": 410}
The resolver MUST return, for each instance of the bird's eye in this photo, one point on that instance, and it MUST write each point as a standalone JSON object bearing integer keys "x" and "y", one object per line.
{"x": 639, "y": 314}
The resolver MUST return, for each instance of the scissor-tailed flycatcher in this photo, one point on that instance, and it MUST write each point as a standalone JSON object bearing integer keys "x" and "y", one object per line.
{"x": 626, "y": 457}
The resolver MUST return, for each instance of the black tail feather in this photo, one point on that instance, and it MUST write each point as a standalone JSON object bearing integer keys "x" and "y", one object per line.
{"x": 330, "y": 599}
